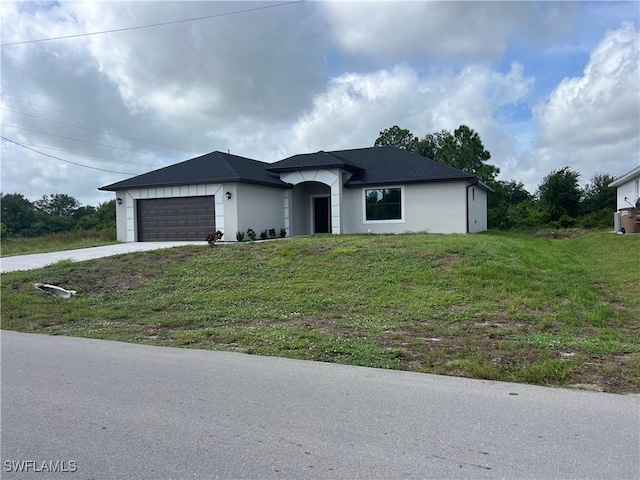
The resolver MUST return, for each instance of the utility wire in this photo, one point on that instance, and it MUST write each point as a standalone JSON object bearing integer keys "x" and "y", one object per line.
{"x": 84, "y": 141}
{"x": 82, "y": 117}
{"x": 89, "y": 155}
{"x": 94, "y": 130}
{"x": 63, "y": 160}
{"x": 153, "y": 24}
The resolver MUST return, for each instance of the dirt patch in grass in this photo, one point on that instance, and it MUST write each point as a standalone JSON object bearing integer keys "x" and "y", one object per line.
{"x": 120, "y": 272}
{"x": 561, "y": 233}
{"x": 609, "y": 374}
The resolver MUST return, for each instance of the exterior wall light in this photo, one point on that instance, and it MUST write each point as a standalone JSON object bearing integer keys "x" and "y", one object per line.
{"x": 228, "y": 195}
{"x": 119, "y": 200}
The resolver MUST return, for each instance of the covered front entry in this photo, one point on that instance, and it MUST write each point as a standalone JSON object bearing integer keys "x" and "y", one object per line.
{"x": 175, "y": 218}
{"x": 313, "y": 204}
{"x": 310, "y": 209}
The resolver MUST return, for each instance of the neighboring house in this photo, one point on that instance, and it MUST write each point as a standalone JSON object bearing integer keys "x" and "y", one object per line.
{"x": 627, "y": 189}
{"x": 377, "y": 190}
{"x": 627, "y": 218}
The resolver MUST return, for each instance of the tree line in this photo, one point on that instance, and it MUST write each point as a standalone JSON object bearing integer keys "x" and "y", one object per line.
{"x": 559, "y": 201}
{"x": 53, "y": 213}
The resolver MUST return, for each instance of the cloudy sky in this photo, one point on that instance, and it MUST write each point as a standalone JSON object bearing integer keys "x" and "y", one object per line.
{"x": 545, "y": 84}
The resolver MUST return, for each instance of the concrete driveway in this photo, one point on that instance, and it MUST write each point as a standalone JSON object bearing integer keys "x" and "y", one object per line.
{"x": 38, "y": 260}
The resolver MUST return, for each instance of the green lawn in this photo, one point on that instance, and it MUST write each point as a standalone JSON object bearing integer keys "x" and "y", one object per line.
{"x": 496, "y": 305}
{"x": 55, "y": 242}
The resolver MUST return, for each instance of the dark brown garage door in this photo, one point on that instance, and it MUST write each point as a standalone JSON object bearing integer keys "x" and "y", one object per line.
{"x": 178, "y": 218}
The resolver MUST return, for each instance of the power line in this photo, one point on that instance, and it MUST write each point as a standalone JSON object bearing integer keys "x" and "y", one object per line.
{"x": 91, "y": 119}
{"x": 89, "y": 155}
{"x": 63, "y": 160}
{"x": 84, "y": 141}
{"x": 94, "y": 130}
{"x": 153, "y": 24}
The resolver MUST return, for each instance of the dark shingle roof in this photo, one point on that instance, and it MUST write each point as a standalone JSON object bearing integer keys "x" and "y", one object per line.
{"x": 215, "y": 167}
{"x": 309, "y": 161}
{"x": 376, "y": 166}
{"x": 370, "y": 166}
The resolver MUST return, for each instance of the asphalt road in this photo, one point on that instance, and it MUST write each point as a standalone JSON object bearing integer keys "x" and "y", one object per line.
{"x": 111, "y": 410}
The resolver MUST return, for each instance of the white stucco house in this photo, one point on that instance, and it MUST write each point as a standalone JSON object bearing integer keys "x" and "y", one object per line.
{"x": 377, "y": 190}
{"x": 627, "y": 189}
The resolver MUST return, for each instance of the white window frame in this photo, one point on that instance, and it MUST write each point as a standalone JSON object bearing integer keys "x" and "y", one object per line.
{"x": 402, "y": 218}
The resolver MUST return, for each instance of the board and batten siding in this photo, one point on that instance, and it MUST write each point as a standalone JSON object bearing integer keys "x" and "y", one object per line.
{"x": 127, "y": 222}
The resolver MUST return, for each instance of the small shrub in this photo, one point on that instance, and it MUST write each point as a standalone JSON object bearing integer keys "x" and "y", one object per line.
{"x": 272, "y": 233}
{"x": 213, "y": 237}
{"x": 64, "y": 262}
{"x": 251, "y": 233}
{"x": 263, "y": 235}
{"x": 240, "y": 236}
{"x": 283, "y": 232}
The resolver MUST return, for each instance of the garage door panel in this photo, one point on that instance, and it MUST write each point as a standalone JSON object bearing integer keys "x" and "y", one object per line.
{"x": 178, "y": 218}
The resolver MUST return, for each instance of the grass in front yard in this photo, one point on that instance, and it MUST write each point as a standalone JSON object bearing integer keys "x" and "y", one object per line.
{"x": 497, "y": 306}
{"x": 55, "y": 242}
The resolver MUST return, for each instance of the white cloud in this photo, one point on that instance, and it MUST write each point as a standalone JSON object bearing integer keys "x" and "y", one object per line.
{"x": 257, "y": 65}
{"x": 440, "y": 30}
{"x": 592, "y": 122}
{"x": 355, "y": 107}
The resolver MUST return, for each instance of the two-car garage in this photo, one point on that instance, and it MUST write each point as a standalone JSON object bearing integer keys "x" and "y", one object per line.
{"x": 188, "y": 200}
{"x": 175, "y": 218}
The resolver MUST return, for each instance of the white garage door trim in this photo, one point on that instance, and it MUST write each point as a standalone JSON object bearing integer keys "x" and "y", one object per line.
{"x": 165, "y": 192}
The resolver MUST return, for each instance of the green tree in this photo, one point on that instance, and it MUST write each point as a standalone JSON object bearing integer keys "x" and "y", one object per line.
{"x": 464, "y": 150}
{"x": 84, "y": 211}
{"x": 598, "y": 202}
{"x": 45, "y": 224}
{"x": 59, "y": 204}
{"x": 397, "y": 137}
{"x": 504, "y": 197}
{"x": 559, "y": 196}
{"x": 103, "y": 218}
{"x": 598, "y": 195}
{"x": 430, "y": 145}
{"x": 18, "y": 213}
{"x": 526, "y": 214}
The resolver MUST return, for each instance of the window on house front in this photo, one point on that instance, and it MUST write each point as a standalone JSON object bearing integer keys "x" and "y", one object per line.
{"x": 383, "y": 204}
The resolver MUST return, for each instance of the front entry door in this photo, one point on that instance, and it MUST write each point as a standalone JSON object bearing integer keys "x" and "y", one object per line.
{"x": 321, "y": 215}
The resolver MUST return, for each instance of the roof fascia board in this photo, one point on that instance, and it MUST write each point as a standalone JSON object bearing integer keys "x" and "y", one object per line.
{"x": 283, "y": 185}
{"x": 356, "y": 184}
{"x": 626, "y": 177}
{"x": 321, "y": 166}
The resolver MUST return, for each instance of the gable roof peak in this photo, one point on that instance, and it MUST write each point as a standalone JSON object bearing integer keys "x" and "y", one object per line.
{"x": 214, "y": 167}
